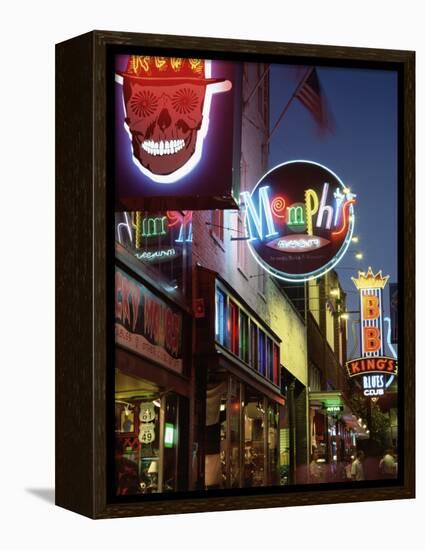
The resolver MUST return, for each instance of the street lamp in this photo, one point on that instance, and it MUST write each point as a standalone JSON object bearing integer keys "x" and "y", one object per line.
{"x": 359, "y": 255}
{"x": 355, "y": 239}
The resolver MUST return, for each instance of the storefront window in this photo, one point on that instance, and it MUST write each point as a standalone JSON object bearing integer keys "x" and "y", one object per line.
{"x": 261, "y": 352}
{"x": 254, "y": 416}
{"x": 170, "y": 437}
{"x": 254, "y": 345}
{"x": 276, "y": 365}
{"x": 273, "y": 443}
{"x": 269, "y": 373}
{"x": 235, "y": 443}
{"x": 215, "y": 432}
{"x": 285, "y": 456}
{"x": 149, "y": 448}
{"x": 234, "y": 328}
{"x": 220, "y": 316}
{"x": 243, "y": 337}
{"x": 146, "y": 437}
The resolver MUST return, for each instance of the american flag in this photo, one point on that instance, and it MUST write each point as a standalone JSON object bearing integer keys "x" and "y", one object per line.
{"x": 312, "y": 97}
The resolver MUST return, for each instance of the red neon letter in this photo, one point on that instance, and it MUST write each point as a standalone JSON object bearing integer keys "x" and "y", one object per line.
{"x": 371, "y": 339}
{"x": 370, "y": 306}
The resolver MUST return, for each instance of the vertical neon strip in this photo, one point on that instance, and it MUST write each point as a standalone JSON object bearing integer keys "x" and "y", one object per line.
{"x": 127, "y": 226}
{"x": 339, "y": 199}
{"x": 311, "y": 207}
{"x": 388, "y": 321}
{"x": 180, "y": 238}
{"x": 189, "y": 236}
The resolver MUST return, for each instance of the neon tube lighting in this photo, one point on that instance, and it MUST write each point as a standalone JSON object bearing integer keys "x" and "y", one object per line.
{"x": 333, "y": 262}
{"x": 202, "y": 132}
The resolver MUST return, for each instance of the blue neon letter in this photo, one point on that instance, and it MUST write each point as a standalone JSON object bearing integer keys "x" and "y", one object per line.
{"x": 254, "y": 218}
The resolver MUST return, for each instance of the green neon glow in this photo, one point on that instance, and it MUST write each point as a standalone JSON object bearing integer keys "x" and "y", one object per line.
{"x": 153, "y": 227}
{"x": 333, "y": 408}
{"x": 169, "y": 435}
{"x": 148, "y": 227}
{"x": 296, "y": 215}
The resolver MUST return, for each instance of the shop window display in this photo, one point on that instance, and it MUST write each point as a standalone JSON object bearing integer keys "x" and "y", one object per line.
{"x": 215, "y": 432}
{"x": 147, "y": 440}
{"x": 254, "y": 414}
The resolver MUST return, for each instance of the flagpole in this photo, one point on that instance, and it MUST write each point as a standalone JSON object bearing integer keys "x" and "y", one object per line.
{"x": 260, "y": 80}
{"x": 282, "y": 114}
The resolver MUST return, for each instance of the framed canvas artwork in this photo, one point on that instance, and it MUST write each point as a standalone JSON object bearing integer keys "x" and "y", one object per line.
{"x": 235, "y": 274}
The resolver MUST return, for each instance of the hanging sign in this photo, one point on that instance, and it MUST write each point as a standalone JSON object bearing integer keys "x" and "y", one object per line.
{"x": 147, "y": 418}
{"x": 154, "y": 237}
{"x": 375, "y": 370}
{"x": 299, "y": 220}
{"x": 175, "y": 132}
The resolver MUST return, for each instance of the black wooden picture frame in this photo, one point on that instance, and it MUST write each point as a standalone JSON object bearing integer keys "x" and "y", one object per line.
{"x": 84, "y": 346}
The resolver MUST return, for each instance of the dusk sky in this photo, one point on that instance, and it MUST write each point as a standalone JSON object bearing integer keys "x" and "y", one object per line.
{"x": 361, "y": 150}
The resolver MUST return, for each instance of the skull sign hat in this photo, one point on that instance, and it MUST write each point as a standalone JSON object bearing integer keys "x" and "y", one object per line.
{"x": 164, "y": 103}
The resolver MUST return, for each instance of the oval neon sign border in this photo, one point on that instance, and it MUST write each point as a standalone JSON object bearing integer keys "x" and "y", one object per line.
{"x": 304, "y": 277}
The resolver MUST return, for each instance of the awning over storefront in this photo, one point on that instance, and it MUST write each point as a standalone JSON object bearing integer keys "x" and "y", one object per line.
{"x": 326, "y": 398}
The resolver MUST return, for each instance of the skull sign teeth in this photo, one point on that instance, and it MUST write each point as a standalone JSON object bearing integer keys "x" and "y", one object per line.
{"x": 164, "y": 101}
{"x": 163, "y": 122}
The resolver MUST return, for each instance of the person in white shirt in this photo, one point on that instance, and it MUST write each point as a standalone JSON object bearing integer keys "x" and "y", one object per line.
{"x": 357, "y": 472}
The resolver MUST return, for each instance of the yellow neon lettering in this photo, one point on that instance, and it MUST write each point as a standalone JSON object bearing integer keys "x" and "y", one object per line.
{"x": 311, "y": 207}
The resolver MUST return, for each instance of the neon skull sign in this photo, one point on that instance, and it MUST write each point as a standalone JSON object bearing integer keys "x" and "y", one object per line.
{"x": 299, "y": 220}
{"x": 166, "y": 102}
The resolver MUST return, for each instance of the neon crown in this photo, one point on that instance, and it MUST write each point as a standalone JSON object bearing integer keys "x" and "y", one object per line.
{"x": 161, "y": 69}
{"x": 370, "y": 280}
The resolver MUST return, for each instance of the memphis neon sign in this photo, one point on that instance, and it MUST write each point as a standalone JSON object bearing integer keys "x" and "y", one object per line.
{"x": 299, "y": 220}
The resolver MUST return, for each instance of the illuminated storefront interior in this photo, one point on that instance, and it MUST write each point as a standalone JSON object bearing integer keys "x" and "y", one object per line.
{"x": 243, "y": 399}
{"x": 150, "y": 429}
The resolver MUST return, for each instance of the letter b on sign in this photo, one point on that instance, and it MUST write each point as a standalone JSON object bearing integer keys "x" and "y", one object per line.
{"x": 371, "y": 339}
{"x": 370, "y": 306}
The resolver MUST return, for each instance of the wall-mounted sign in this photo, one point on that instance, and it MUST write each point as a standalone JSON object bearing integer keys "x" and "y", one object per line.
{"x": 154, "y": 237}
{"x": 175, "y": 131}
{"x": 382, "y": 364}
{"x": 145, "y": 324}
{"x": 370, "y": 287}
{"x": 376, "y": 370}
{"x": 333, "y": 409}
{"x": 299, "y": 220}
